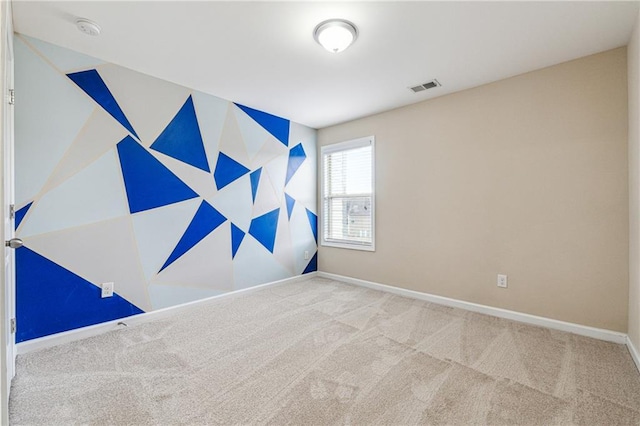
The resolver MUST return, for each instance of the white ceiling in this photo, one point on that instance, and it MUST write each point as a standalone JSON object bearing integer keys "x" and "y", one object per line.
{"x": 262, "y": 54}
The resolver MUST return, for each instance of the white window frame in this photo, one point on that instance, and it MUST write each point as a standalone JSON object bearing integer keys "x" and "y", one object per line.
{"x": 343, "y": 146}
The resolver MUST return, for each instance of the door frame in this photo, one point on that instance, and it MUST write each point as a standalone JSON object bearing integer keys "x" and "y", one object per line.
{"x": 7, "y": 290}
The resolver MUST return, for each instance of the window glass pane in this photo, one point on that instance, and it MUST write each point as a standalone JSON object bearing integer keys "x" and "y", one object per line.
{"x": 349, "y": 219}
{"x": 348, "y": 194}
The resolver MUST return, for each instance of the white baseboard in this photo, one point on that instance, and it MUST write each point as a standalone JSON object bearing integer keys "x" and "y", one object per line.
{"x": 634, "y": 353}
{"x": 94, "y": 330}
{"x": 105, "y": 327}
{"x": 583, "y": 330}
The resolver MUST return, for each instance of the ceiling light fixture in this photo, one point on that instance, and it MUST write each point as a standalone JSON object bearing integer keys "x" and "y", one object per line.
{"x": 88, "y": 27}
{"x": 335, "y": 35}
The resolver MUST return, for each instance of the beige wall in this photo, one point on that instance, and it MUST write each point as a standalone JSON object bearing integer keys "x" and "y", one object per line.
{"x": 633, "y": 60}
{"x": 526, "y": 176}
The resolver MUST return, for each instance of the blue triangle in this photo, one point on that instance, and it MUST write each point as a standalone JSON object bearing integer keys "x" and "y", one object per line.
{"x": 277, "y": 126}
{"x": 290, "y": 203}
{"x": 237, "y": 235}
{"x": 312, "y": 266}
{"x": 255, "y": 180}
{"x": 204, "y": 222}
{"x": 51, "y": 299}
{"x": 313, "y": 221}
{"x": 148, "y": 182}
{"x": 21, "y": 213}
{"x": 181, "y": 139}
{"x": 263, "y": 228}
{"x": 296, "y": 158}
{"x": 227, "y": 170}
{"x": 93, "y": 85}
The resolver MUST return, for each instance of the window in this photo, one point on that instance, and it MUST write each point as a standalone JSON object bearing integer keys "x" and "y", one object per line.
{"x": 348, "y": 194}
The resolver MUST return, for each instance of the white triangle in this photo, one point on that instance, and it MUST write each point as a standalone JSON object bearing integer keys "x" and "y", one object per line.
{"x": 302, "y": 185}
{"x": 198, "y": 180}
{"x": 148, "y": 103}
{"x": 212, "y": 114}
{"x": 253, "y": 134}
{"x": 206, "y": 265}
{"x": 44, "y": 129}
{"x": 231, "y": 140}
{"x": 254, "y": 265}
{"x": 100, "y": 134}
{"x": 266, "y": 197}
{"x": 305, "y": 135}
{"x": 92, "y": 195}
{"x": 271, "y": 149}
{"x": 302, "y": 238}
{"x": 164, "y": 295}
{"x": 235, "y": 203}
{"x": 101, "y": 252}
{"x": 283, "y": 248}
{"x": 157, "y": 231}
{"x": 277, "y": 171}
{"x": 64, "y": 59}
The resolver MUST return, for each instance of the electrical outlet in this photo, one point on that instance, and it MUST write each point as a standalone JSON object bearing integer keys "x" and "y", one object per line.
{"x": 107, "y": 290}
{"x": 306, "y": 255}
{"x": 502, "y": 281}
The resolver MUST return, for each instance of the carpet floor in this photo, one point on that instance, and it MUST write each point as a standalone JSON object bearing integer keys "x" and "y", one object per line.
{"x": 321, "y": 352}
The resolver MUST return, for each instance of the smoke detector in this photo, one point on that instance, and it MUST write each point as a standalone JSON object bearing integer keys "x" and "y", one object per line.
{"x": 88, "y": 27}
{"x": 424, "y": 86}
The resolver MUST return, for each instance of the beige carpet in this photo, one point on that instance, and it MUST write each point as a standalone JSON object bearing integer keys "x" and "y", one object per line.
{"x": 322, "y": 352}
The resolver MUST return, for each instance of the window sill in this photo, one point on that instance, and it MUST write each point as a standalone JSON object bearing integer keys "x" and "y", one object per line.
{"x": 348, "y": 246}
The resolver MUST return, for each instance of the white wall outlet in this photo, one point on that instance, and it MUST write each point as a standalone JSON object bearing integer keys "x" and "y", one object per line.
{"x": 502, "y": 281}
{"x": 107, "y": 290}
{"x": 306, "y": 255}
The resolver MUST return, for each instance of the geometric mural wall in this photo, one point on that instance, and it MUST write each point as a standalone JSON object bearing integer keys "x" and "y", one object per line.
{"x": 172, "y": 194}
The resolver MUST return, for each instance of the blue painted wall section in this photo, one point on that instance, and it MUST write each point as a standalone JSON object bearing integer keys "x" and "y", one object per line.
{"x": 296, "y": 158}
{"x": 237, "y": 235}
{"x": 93, "y": 85}
{"x": 277, "y": 126}
{"x": 171, "y": 231}
{"x": 21, "y": 213}
{"x": 181, "y": 139}
{"x": 228, "y": 170}
{"x": 255, "y": 180}
{"x": 148, "y": 182}
{"x": 313, "y": 222}
{"x": 313, "y": 265}
{"x": 52, "y": 299}
{"x": 291, "y": 202}
{"x": 263, "y": 228}
{"x": 205, "y": 221}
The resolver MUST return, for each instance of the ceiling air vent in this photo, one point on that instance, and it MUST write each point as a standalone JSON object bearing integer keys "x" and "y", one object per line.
{"x": 424, "y": 86}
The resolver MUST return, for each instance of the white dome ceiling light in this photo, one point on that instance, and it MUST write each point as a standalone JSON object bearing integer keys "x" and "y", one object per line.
{"x": 335, "y": 35}
{"x": 88, "y": 27}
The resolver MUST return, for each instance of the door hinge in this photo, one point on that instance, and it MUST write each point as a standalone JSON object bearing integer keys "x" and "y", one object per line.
{"x": 13, "y": 325}
{"x": 12, "y": 96}
{"x": 12, "y": 211}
